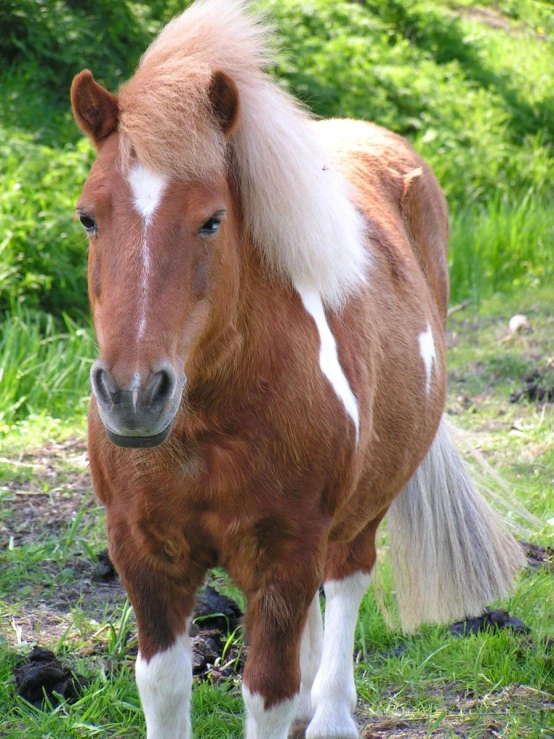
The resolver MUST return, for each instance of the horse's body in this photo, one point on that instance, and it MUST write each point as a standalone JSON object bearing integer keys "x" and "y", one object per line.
{"x": 297, "y": 401}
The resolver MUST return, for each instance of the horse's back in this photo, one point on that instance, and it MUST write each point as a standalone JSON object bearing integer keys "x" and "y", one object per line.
{"x": 398, "y": 193}
{"x": 396, "y": 324}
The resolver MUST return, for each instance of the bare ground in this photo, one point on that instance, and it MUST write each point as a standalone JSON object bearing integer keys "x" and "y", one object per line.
{"x": 51, "y": 491}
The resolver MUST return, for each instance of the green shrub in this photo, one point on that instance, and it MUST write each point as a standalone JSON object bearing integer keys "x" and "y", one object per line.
{"x": 476, "y": 103}
{"x": 60, "y": 37}
{"x": 42, "y": 251}
{"x": 475, "y": 100}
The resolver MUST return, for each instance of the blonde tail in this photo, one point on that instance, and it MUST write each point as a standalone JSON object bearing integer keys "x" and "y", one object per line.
{"x": 451, "y": 553}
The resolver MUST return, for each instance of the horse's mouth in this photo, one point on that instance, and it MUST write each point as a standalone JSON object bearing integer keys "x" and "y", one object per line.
{"x": 139, "y": 442}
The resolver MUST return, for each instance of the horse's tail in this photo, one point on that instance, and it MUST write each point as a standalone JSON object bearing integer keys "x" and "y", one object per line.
{"x": 451, "y": 553}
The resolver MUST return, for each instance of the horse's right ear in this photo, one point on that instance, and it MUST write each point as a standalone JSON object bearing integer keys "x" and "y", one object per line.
{"x": 95, "y": 109}
{"x": 224, "y": 99}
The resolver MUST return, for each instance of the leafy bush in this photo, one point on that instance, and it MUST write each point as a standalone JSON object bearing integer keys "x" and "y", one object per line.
{"x": 477, "y": 104}
{"x": 42, "y": 251}
{"x": 475, "y": 100}
{"x": 60, "y": 37}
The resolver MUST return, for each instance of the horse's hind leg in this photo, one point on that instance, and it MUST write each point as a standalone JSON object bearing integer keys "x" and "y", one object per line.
{"x": 347, "y": 575}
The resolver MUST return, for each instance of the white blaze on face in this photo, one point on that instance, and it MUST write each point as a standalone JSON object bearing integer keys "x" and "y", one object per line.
{"x": 328, "y": 354}
{"x": 147, "y": 188}
{"x": 165, "y": 686}
{"x": 428, "y": 354}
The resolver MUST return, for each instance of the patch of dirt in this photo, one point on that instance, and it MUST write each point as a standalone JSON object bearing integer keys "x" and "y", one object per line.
{"x": 489, "y": 16}
{"x": 52, "y": 489}
{"x": 47, "y": 613}
{"x": 47, "y": 494}
{"x": 495, "y": 19}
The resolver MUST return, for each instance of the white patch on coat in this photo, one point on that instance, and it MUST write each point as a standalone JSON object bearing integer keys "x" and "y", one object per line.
{"x": 328, "y": 354}
{"x": 271, "y": 723}
{"x": 147, "y": 188}
{"x": 165, "y": 685}
{"x": 334, "y": 692}
{"x": 428, "y": 354}
{"x": 311, "y": 648}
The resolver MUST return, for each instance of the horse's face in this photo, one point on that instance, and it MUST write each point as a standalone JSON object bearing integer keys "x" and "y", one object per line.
{"x": 162, "y": 274}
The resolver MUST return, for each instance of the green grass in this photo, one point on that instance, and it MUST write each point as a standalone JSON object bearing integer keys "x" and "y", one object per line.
{"x": 433, "y": 683}
{"x": 44, "y": 368}
{"x": 501, "y": 244}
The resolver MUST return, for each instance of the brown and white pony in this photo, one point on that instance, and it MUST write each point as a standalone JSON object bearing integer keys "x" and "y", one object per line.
{"x": 269, "y": 296}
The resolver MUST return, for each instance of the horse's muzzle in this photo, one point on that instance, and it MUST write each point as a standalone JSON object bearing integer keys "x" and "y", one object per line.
{"x": 138, "y": 415}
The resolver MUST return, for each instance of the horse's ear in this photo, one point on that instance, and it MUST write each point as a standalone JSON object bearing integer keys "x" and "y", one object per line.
{"x": 224, "y": 99}
{"x": 95, "y": 110}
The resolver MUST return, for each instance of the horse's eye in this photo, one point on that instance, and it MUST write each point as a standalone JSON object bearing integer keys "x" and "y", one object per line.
{"x": 211, "y": 226}
{"x": 89, "y": 224}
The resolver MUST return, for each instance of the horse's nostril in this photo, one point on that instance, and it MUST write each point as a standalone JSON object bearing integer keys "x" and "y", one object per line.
{"x": 101, "y": 383}
{"x": 160, "y": 388}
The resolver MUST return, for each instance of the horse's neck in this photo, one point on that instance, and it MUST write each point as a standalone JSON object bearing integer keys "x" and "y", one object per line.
{"x": 241, "y": 357}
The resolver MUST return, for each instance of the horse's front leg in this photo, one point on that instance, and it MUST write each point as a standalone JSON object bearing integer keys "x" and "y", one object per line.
{"x": 276, "y": 616}
{"x": 161, "y": 585}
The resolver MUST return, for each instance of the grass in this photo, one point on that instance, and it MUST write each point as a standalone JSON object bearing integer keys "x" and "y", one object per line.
{"x": 44, "y": 371}
{"x": 431, "y": 684}
{"x": 501, "y": 244}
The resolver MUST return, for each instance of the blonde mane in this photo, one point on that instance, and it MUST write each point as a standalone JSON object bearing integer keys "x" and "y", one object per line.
{"x": 296, "y": 206}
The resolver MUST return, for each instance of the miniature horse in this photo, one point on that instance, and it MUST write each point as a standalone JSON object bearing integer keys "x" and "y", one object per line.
{"x": 269, "y": 296}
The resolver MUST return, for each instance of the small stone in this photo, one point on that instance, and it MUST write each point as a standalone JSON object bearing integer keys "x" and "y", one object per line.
{"x": 519, "y": 324}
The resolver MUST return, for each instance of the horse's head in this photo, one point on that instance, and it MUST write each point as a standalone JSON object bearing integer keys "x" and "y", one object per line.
{"x": 163, "y": 252}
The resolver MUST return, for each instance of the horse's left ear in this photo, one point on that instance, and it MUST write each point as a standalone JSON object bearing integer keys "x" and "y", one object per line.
{"x": 224, "y": 99}
{"x": 95, "y": 110}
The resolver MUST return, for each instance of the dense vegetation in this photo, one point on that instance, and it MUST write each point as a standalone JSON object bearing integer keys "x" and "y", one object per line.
{"x": 471, "y": 87}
